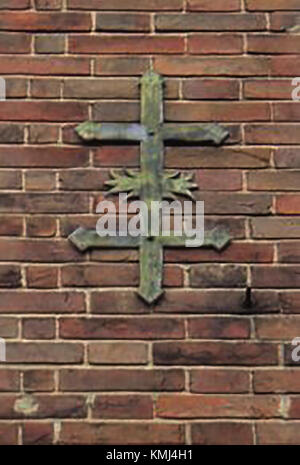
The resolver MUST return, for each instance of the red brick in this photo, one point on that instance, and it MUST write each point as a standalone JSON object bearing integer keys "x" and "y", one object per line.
{"x": 11, "y": 226}
{"x": 267, "y": 44}
{"x": 43, "y": 406}
{"x": 125, "y": 407}
{"x": 30, "y": 21}
{"x": 280, "y": 276}
{"x": 118, "y": 353}
{"x": 49, "y": 44}
{"x": 287, "y": 157}
{"x": 284, "y": 21}
{"x": 44, "y": 352}
{"x": 272, "y": 5}
{"x": 14, "y": 4}
{"x": 121, "y": 380}
{"x": 8, "y": 434}
{"x": 217, "y": 5}
{"x": 272, "y": 328}
{"x": 43, "y": 134}
{"x": 272, "y": 134}
{"x": 41, "y": 302}
{"x": 290, "y": 302}
{"x": 40, "y": 66}
{"x": 9, "y": 381}
{"x": 39, "y": 380}
{"x": 210, "y": 89}
{"x": 275, "y": 89}
{"x": 225, "y": 66}
{"x": 42, "y": 277}
{"x": 289, "y": 252}
{"x": 216, "y": 276}
{"x": 38, "y": 328}
{"x": 124, "y": 44}
{"x": 242, "y": 252}
{"x": 37, "y": 433}
{"x": 40, "y": 180}
{"x": 127, "y": 433}
{"x": 184, "y": 301}
{"x": 121, "y": 65}
{"x": 126, "y": 5}
{"x": 14, "y": 43}
{"x": 225, "y": 111}
{"x": 43, "y": 203}
{"x": 229, "y": 406}
{"x": 218, "y": 328}
{"x": 10, "y": 179}
{"x": 121, "y": 328}
{"x": 43, "y": 157}
{"x": 222, "y": 433}
{"x": 215, "y": 353}
{"x": 210, "y": 22}
{"x": 48, "y": 4}
{"x": 40, "y": 226}
{"x": 219, "y": 381}
{"x": 101, "y": 88}
{"x": 202, "y": 44}
{"x": 43, "y": 111}
{"x": 45, "y": 88}
{"x": 288, "y": 204}
{"x": 119, "y": 22}
{"x": 274, "y": 180}
{"x": 278, "y": 433}
{"x": 287, "y": 111}
{"x": 275, "y": 228}
{"x": 10, "y": 276}
{"x": 284, "y": 65}
{"x": 277, "y": 381}
{"x": 11, "y": 133}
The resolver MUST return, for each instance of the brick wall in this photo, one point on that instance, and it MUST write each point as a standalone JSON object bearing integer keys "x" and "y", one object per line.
{"x": 87, "y": 361}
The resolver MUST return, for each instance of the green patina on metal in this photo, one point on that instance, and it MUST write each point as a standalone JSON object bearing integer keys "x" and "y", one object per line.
{"x": 151, "y": 182}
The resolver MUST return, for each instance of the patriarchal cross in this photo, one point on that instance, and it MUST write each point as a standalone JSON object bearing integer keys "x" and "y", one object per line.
{"x": 151, "y": 183}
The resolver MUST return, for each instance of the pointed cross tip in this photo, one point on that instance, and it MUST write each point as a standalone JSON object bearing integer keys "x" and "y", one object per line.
{"x": 77, "y": 239}
{"x": 150, "y": 297}
{"x": 221, "y": 238}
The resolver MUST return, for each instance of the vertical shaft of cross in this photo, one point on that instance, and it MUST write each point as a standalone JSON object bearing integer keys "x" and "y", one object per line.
{"x": 152, "y": 162}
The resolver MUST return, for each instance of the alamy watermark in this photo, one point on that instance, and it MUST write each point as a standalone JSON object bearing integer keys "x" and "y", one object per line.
{"x": 296, "y": 90}
{"x": 2, "y": 89}
{"x": 152, "y": 220}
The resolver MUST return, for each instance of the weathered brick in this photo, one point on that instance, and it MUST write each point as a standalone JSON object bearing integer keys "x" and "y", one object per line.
{"x": 9, "y": 327}
{"x": 49, "y": 43}
{"x": 41, "y": 302}
{"x": 122, "y": 380}
{"x": 118, "y": 353}
{"x": 203, "y": 406}
{"x": 218, "y": 276}
{"x": 43, "y": 203}
{"x": 9, "y": 381}
{"x": 42, "y": 277}
{"x": 279, "y": 433}
{"x": 217, "y": 5}
{"x": 36, "y": 433}
{"x": 225, "y": 66}
{"x": 11, "y": 133}
{"x": 222, "y": 433}
{"x": 126, "y": 5}
{"x": 289, "y": 252}
{"x": 38, "y": 65}
{"x": 8, "y": 434}
{"x": 284, "y": 65}
{"x": 288, "y": 204}
{"x": 201, "y": 44}
{"x": 39, "y": 380}
{"x": 11, "y": 226}
{"x": 267, "y": 89}
{"x": 127, "y": 433}
{"x": 43, "y": 157}
{"x": 119, "y": 22}
{"x": 185, "y": 301}
{"x": 43, "y": 134}
{"x": 101, "y": 88}
{"x": 123, "y": 407}
{"x": 284, "y": 21}
{"x": 269, "y": 44}
{"x": 14, "y": 43}
{"x": 272, "y": 5}
{"x": 274, "y": 180}
{"x": 124, "y": 44}
{"x": 40, "y": 180}
{"x": 14, "y": 4}
{"x": 40, "y": 226}
{"x": 287, "y": 157}
{"x": 44, "y": 352}
{"x": 219, "y": 381}
{"x": 121, "y": 65}
{"x": 276, "y": 328}
{"x": 10, "y": 179}
{"x": 45, "y": 88}
{"x": 275, "y": 228}
{"x": 215, "y": 353}
{"x": 43, "y": 111}
{"x": 290, "y": 302}
{"x": 10, "y": 276}
{"x": 218, "y": 328}
{"x": 279, "y": 276}
{"x": 38, "y": 328}
{"x": 210, "y": 22}
{"x": 277, "y": 381}
{"x": 272, "y": 134}
{"x": 210, "y": 89}
{"x": 48, "y": 4}
{"x": 31, "y": 21}
{"x": 121, "y": 328}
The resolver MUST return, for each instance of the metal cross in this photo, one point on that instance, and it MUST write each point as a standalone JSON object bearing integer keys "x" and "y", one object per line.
{"x": 151, "y": 183}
